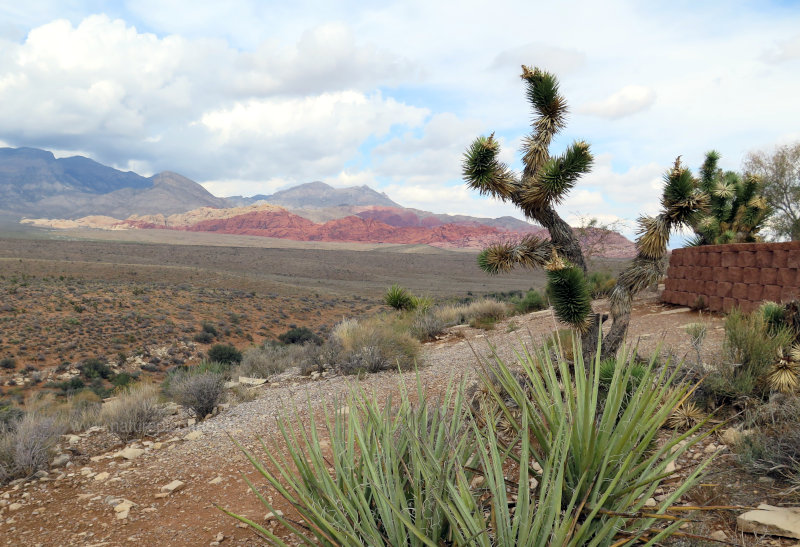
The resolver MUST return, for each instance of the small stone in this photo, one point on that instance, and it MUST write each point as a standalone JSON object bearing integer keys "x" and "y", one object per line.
{"x": 219, "y": 537}
{"x": 174, "y": 486}
{"x": 100, "y": 477}
{"x": 215, "y": 480}
{"x": 193, "y": 436}
{"x": 718, "y": 535}
{"x": 161, "y": 495}
{"x": 60, "y": 460}
{"x": 731, "y": 436}
{"x": 252, "y": 381}
{"x": 770, "y": 520}
{"x": 130, "y": 453}
{"x": 73, "y": 440}
{"x": 190, "y": 422}
{"x": 710, "y": 449}
{"x": 15, "y": 507}
{"x": 271, "y": 515}
{"x": 671, "y": 467}
{"x": 651, "y": 502}
{"x": 476, "y": 481}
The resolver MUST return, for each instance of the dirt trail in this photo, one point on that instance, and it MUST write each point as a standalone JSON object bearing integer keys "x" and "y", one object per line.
{"x": 76, "y": 505}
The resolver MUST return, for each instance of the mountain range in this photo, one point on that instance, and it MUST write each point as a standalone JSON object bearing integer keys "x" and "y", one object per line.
{"x": 79, "y": 192}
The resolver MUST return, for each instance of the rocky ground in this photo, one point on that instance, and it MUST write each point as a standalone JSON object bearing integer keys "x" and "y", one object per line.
{"x": 163, "y": 490}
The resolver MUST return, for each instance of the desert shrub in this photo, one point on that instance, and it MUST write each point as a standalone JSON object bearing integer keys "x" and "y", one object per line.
{"x": 774, "y": 316}
{"x": 122, "y": 379}
{"x": 270, "y": 359}
{"x": 199, "y": 392}
{"x": 601, "y": 283}
{"x": 299, "y": 335}
{"x": 9, "y": 413}
{"x": 772, "y": 451}
{"x": 372, "y": 347}
{"x": 83, "y": 410}
{"x": 316, "y": 358}
{"x": 95, "y": 368}
{"x": 485, "y": 309}
{"x": 224, "y": 353}
{"x": 419, "y": 461}
{"x": 27, "y": 444}
{"x": 532, "y": 301}
{"x": 697, "y": 334}
{"x": 422, "y": 303}
{"x": 426, "y": 325}
{"x": 203, "y": 337}
{"x": 209, "y": 328}
{"x": 134, "y": 413}
{"x": 8, "y": 363}
{"x": 399, "y": 298}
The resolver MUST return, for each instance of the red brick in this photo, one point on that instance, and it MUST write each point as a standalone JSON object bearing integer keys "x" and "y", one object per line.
{"x": 771, "y": 292}
{"x": 667, "y": 295}
{"x": 728, "y": 259}
{"x": 739, "y": 290}
{"x": 764, "y": 259}
{"x": 710, "y": 288}
{"x": 751, "y": 275}
{"x": 676, "y": 259}
{"x": 702, "y": 259}
{"x": 728, "y": 304}
{"x": 787, "y": 277}
{"x": 714, "y": 259}
{"x": 746, "y": 305}
{"x": 670, "y": 284}
{"x": 793, "y": 260}
{"x": 715, "y": 303}
{"x": 779, "y": 258}
{"x": 746, "y": 259}
{"x": 734, "y": 275}
{"x": 698, "y": 286}
{"x": 768, "y": 276}
{"x": 680, "y": 272}
{"x": 754, "y": 292}
{"x": 724, "y": 289}
{"x": 789, "y": 293}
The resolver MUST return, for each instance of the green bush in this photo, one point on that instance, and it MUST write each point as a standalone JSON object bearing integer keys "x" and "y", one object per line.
{"x": 299, "y": 335}
{"x": 405, "y": 474}
{"x": 399, "y": 298}
{"x": 8, "y": 363}
{"x": 225, "y": 354}
{"x": 122, "y": 379}
{"x": 532, "y": 301}
{"x": 204, "y": 337}
{"x": 95, "y": 368}
{"x": 774, "y": 316}
{"x": 601, "y": 284}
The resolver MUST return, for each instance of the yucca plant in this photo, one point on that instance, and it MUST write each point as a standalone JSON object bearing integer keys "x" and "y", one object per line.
{"x": 383, "y": 484}
{"x": 542, "y": 185}
{"x": 399, "y": 298}
{"x": 737, "y": 209}
{"x": 596, "y": 465}
{"x": 784, "y": 375}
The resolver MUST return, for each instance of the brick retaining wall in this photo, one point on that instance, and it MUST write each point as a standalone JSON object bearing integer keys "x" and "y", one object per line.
{"x": 739, "y": 274}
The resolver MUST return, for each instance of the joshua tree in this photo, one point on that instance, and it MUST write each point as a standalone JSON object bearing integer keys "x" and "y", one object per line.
{"x": 737, "y": 209}
{"x": 543, "y": 184}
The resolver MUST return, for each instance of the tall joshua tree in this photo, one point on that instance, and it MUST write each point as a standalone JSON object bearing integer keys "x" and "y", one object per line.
{"x": 737, "y": 209}
{"x": 544, "y": 183}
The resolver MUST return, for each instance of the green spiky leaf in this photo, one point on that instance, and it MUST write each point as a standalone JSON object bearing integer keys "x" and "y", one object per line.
{"x": 570, "y": 296}
{"x": 484, "y": 172}
{"x": 558, "y": 176}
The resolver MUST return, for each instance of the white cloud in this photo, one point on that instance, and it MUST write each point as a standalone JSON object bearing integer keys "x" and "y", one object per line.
{"x": 625, "y": 102}
{"x": 556, "y": 59}
{"x": 785, "y": 50}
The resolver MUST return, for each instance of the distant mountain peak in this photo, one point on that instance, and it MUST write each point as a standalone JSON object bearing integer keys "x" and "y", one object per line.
{"x": 318, "y": 194}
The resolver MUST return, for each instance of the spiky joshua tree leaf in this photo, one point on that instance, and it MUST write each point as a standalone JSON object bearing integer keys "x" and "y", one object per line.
{"x": 570, "y": 296}
{"x": 484, "y": 172}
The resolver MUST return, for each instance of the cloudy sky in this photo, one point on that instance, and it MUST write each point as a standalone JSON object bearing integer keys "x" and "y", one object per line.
{"x": 250, "y": 96}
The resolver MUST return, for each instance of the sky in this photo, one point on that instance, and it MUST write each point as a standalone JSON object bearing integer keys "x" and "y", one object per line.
{"x": 248, "y": 97}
